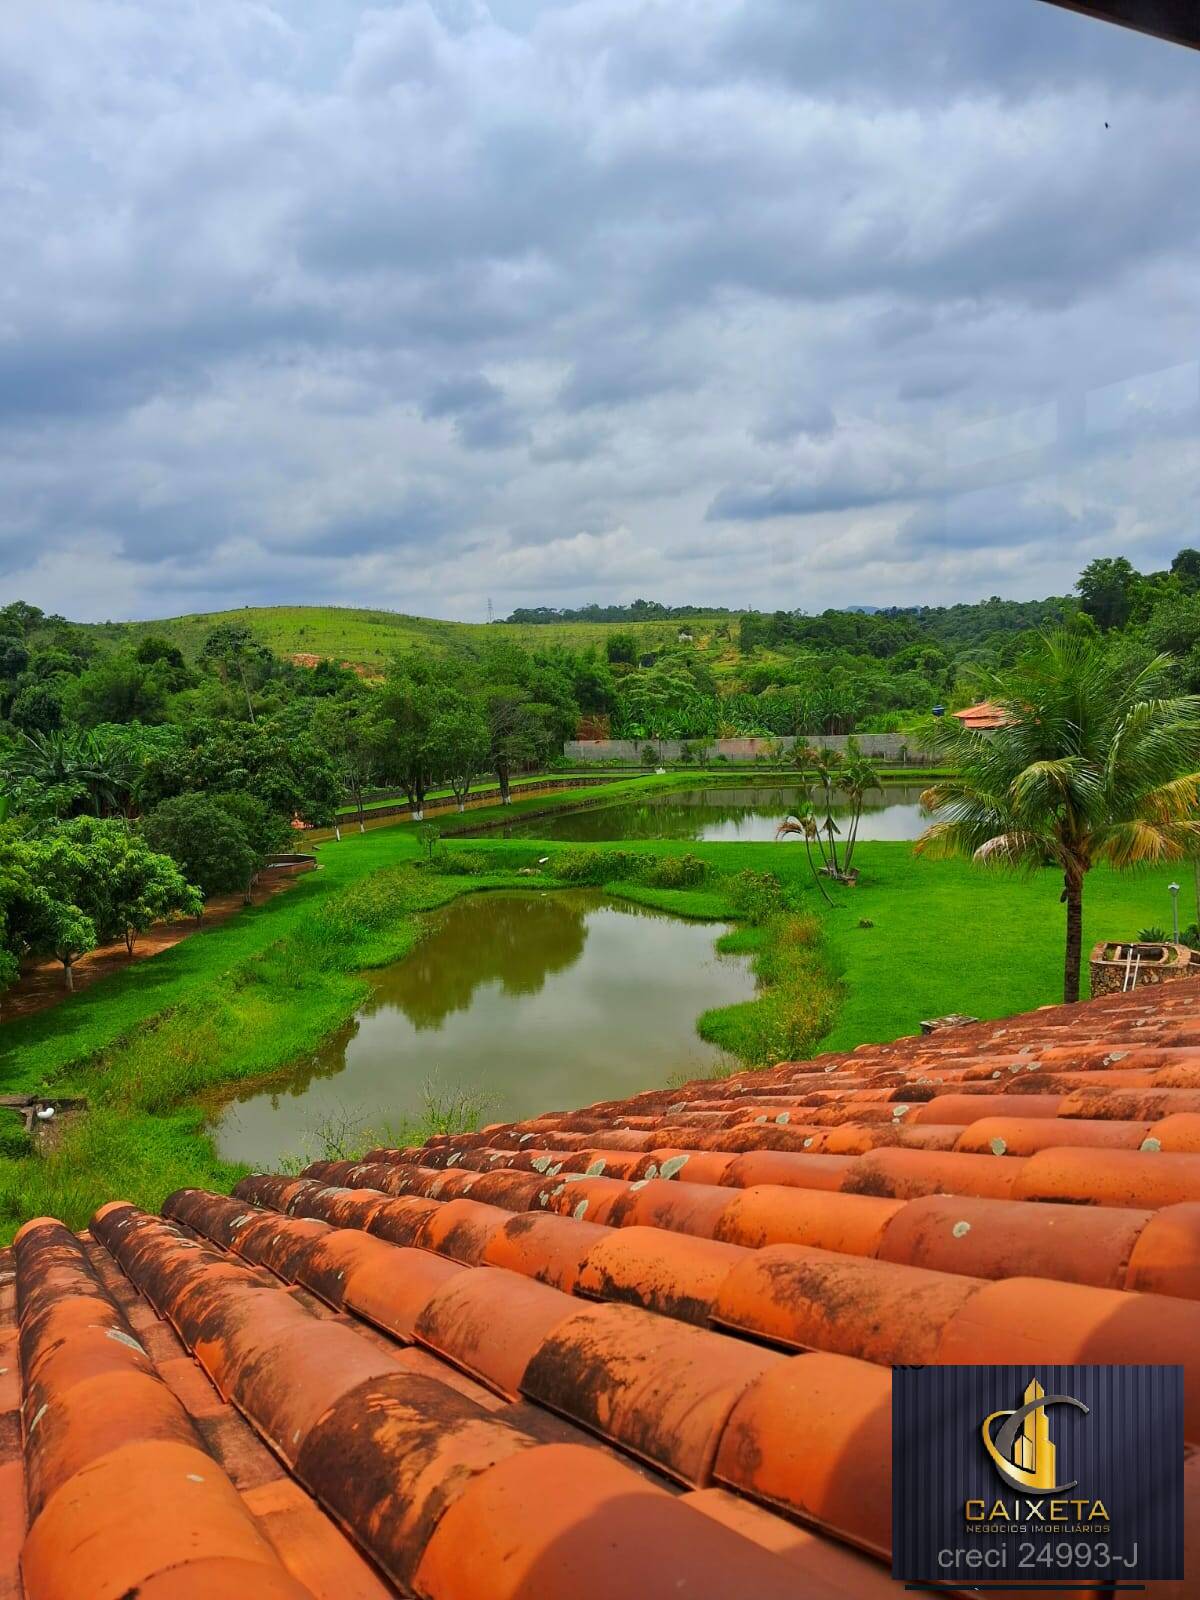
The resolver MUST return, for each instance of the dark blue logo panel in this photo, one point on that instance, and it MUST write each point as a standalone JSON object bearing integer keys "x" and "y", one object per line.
{"x": 1038, "y": 1476}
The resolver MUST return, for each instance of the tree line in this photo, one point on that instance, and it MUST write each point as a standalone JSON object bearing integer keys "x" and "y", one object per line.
{"x": 135, "y": 785}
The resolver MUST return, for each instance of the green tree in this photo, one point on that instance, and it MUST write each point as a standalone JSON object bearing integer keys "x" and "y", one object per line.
{"x": 410, "y": 702}
{"x": 37, "y": 911}
{"x": 20, "y": 618}
{"x": 119, "y": 688}
{"x": 518, "y": 732}
{"x": 349, "y": 728}
{"x": 1094, "y": 764}
{"x": 828, "y": 766}
{"x": 109, "y": 872}
{"x": 1108, "y": 588}
{"x": 1186, "y": 569}
{"x": 460, "y": 745}
{"x": 858, "y": 778}
{"x": 621, "y": 649}
{"x": 283, "y": 767}
{"x": 14, "y": 656}
{"x": 205, "y": 840}
{"x": 62, "y": 772}
{"x": 155, "y": 648}
{"x": 37, "y": 708}
{"x": 803, "y": 822}
{"x": 234, "y": 652}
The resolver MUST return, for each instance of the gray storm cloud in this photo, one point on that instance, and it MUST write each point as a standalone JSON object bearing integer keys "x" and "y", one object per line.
{"x": 756, "y": 301}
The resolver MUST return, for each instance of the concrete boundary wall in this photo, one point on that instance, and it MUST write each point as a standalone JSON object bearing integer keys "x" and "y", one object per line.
{"x": 879, "y": 746}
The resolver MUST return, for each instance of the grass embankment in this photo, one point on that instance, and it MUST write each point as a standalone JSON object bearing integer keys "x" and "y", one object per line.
{"x": 945, "y": 936}
{"x": 243, "y": 1000}
{"x": 143, "y": 1132}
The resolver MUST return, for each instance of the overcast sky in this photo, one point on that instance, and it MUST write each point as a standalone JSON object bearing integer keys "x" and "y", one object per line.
{"x": 760, "y": 302}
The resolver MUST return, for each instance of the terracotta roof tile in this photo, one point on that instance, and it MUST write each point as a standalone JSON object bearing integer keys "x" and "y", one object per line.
{"x": 637, "y": 1348}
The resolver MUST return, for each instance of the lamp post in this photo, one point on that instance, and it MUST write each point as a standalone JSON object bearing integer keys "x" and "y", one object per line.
{"x": 1174, "y": 888}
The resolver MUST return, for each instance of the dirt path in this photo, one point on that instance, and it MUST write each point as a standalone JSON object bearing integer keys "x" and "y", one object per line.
{"x": 41, "y": 983}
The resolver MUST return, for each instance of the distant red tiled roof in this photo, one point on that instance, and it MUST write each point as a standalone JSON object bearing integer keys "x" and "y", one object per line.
{"x": 637, "y": 1349}
{"x": 985, "y": 715}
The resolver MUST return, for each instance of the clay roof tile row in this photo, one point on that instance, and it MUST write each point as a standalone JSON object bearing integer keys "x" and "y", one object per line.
{"x": 641, "y": 1347}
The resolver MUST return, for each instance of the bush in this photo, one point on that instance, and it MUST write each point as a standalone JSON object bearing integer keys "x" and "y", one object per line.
{"x": 677, "y": 872}
{"x": 14, "y": 1141}
{"x": 1153, "y": 936}
{"x": 453, "y": 864}
{"x": 597, "y": 866}
{"x": 756, "y": 896}
{"x": 649, "y": 756}
{"x": 800, "y": 994}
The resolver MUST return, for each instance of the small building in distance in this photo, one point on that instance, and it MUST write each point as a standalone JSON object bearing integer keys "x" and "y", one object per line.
{"x": 983, "y": 718}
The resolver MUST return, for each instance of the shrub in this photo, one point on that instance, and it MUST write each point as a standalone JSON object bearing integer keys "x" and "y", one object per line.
{"x": 597, "y": 866}
{"x": 428, "y": 834}
{"x": 1153, "y": 936}
{"x": 756, "y": 896}
{"x": 454, "y": 864}
{"x": 649, "y": 756}
{"x": 800, "y": 993}
{"x": 677, "y": 872}
{"x": 14, "y": 1141}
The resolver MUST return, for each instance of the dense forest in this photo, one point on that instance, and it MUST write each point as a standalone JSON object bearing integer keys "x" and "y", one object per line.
{"x": 137, "y": 781}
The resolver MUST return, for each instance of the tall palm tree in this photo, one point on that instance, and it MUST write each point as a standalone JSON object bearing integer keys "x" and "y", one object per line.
{"x": 1094, "y": 763}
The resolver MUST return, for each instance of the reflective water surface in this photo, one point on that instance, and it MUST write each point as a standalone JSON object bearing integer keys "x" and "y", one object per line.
{"x": 723, "y": 812}
{"x": 539, "y": 1000}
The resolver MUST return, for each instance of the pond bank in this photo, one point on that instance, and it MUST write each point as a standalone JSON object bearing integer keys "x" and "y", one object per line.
{"x": 519, "y": 999}
{"x": 238, "y": 1005}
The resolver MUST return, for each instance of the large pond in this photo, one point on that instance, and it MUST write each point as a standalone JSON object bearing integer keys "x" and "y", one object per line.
{"x": 720, "y": 812}
{"x": 535, "y": 1000}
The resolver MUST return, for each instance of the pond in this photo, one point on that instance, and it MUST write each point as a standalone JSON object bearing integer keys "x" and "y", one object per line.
{"x": 719, "y": 812}
{"x": 538, "y": 1001}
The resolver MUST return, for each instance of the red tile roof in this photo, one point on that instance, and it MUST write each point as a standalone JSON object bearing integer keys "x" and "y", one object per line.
{"x": 984, "y": 716}
{"x": 640, "y": 1348}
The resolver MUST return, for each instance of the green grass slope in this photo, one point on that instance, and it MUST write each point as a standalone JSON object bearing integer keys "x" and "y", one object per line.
{"x": 370, "y": 638}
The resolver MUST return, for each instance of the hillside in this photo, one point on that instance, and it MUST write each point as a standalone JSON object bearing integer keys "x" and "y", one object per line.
{"x": 369, "y": 638}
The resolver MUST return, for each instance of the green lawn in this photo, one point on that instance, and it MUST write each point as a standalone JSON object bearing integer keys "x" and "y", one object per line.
{"x": 949, "y": 936}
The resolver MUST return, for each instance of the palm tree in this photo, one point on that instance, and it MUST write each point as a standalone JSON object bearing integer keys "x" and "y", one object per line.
{"x": 1094, "y": 763}
{"x": 827, "y": 764}
{"x": 859, "y": 777}
{"x": 805, "y": 824}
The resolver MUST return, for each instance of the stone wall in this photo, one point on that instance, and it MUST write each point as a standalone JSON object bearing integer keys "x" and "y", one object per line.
{"x": 1109, "y": 974}
{"x": 879, "y": 746}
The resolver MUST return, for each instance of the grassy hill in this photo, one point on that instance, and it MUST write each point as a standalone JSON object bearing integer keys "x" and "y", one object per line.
{"x": 369, "y": 638}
